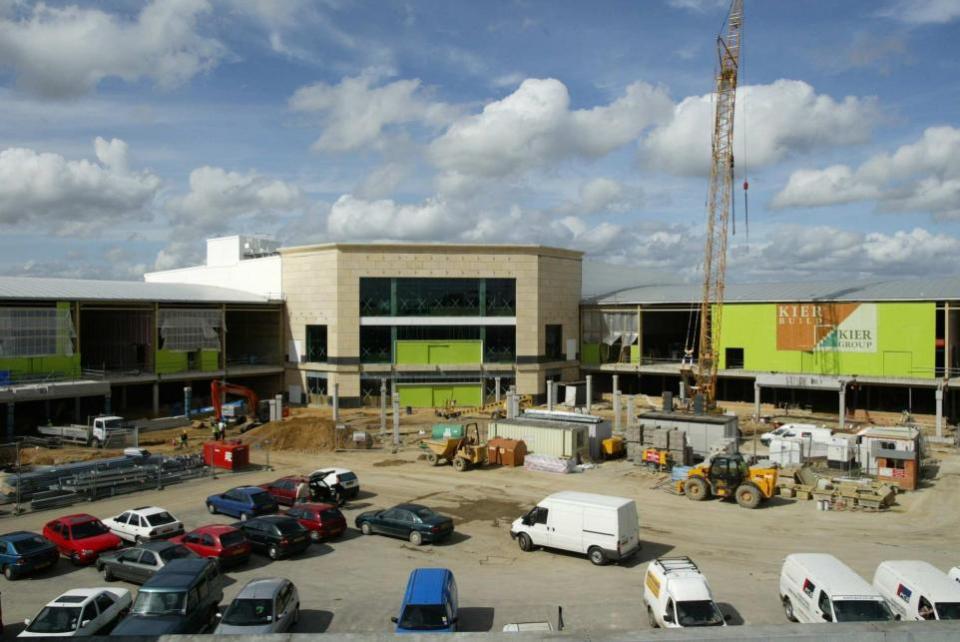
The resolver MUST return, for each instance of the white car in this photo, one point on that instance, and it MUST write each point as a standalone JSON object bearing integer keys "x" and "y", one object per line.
{"x": 82, "y": 611}
{"x": 144, "y": 524}
{"x": 343, "y": 476}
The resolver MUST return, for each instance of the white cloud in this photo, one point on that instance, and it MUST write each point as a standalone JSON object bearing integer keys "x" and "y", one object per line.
{"x": 66, "y": 52}
{"x": 353, "y": 218}
{"x": 783, "y": 119}
{"x": 700, "y": 6}
{"x": 919, "y": 177}
{"x": 534, "y": 127}
{"x": 355, "y": 112}
{"x": 924, "y": 11}
{"x": 384, "y": 180}
{"x": 601, "y": 194}
{"x": 65, "y": 197}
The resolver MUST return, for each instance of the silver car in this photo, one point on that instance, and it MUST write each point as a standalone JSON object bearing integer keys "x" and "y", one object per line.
{"x": 270, "y": 605}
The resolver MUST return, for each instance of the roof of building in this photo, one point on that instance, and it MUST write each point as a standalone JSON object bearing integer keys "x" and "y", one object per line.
{"x": 34, "y": 289}
{"x": 464, "y": 248}
{"x": 934, "y": 289}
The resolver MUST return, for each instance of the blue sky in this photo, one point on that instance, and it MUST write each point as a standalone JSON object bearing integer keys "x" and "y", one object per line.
{"x": 134, "y": 130}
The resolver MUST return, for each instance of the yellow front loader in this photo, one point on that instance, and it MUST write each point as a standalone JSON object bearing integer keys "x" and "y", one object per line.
{"x": 727, "y": 476}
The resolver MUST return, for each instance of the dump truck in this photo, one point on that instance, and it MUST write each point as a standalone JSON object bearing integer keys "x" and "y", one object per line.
{"x": 96, "y": 432}
{"x": 464, "y": 452}
{"x": 725, "y": 475}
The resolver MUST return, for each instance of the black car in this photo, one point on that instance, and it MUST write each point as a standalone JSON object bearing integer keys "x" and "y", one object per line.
{"x": 138, "y": 564}
{"x": 414, "y": 522}
{"x": 275, "y": 535}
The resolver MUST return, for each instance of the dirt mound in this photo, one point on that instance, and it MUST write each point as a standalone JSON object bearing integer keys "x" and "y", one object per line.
{"x": 303, "y": 433}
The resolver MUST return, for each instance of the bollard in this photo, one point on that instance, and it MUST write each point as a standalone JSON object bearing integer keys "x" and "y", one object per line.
{"x": 188, "y": 399}
{"x": 589, "y": 394}
{"x": 396, "y": 420}
{"x": 550, "y": 394}
{"x": 616, "y": 411}
{"x": 383, "y": 405}
{"x": 336, "y": 402}
{"x": 631, "y": 411}
{"x": 496, "y": 381}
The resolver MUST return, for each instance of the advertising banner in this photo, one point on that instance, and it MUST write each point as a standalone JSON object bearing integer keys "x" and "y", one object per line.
{"x": 827, "y": 327}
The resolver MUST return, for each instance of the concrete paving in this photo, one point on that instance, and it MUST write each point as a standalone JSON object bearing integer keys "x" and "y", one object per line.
{"x": 354, "y": 584}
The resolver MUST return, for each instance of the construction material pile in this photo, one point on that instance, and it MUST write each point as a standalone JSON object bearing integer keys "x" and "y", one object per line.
{"x": 839, "y": 493}
{"x": 304, "y": 433}
{"x": 669, "y": 440}
{"x": 546, "y": 464}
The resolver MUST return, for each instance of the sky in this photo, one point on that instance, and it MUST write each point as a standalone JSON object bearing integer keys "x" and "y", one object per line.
{"x": 132, "y": 131}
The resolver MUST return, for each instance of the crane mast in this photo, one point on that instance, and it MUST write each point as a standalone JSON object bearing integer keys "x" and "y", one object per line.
{"x": 719, "y": 201}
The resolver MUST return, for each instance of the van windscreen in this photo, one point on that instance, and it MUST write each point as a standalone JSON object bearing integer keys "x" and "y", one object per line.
{"x": 424, "y": 617}
{"x": 948, "y": 610}
{"x": 861, "y": 611}
{"x": 698, "y": 613}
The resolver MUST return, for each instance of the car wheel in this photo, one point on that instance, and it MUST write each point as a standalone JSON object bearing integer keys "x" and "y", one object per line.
{"x": 75, "y": 558}
{"x": 96, "y": 443}
{"x": 652, "y": 621}
{"x": 526, "y": 544}
{"x": 8, "y": 573}
{"x": 273, "y": 552}
{"x": 296, "y": 613}
{"x": 243, "y": 517}
{"x": 596, "y": 556}
{"x": 107, "y": 574}
{"x": 788, "y": 610}
{"x": 365, "y": 528}
{"x": 416, "y": 538}
{"x": 211, "y": 509}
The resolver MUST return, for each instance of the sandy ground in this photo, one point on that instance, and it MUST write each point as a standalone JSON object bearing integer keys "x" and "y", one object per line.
{"x": 355, "y": 583}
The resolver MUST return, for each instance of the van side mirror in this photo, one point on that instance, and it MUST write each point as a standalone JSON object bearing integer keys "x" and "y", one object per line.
{"x": 896, "y": 618}
{"x": 668, "y": 617}
{"x": 727, "y": 617}
{"x": 84, "y": 623}
{"x": 828, "y": 617}
{"x": 26, "y": 622}
{"x": 393, "y": 619}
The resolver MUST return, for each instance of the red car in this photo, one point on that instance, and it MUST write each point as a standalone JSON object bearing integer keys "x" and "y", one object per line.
{"x": 284, "y": 490}
{"x": 81, "y": 537}
{"x": 324, "y": 521}
{"x": 225, "y": 543}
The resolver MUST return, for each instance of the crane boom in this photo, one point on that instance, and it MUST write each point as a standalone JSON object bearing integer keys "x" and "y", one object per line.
{"x": 718, "y": 205}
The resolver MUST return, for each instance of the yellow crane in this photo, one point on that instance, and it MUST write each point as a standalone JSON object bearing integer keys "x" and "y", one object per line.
{"x": 719, "y": 201}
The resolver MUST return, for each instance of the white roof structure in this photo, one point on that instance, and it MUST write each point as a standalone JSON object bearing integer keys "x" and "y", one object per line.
{"x": 44, "y": 289}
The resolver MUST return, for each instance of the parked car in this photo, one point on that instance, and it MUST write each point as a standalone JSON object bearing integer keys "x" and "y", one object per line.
{"x": 143, "y": 524}
{"x": 81, "y": 537}
{"x": 916, "y": 590}
{"x": 182, "y": 598}
{"x": 344, "y": 477}
{"x": 269, "y": 605}
{"x": 677, "y": 595}
{"x": 324, "y": 521}
{"x": 82, "y": 611}
{"x": 224, "y": 543}
{"x": 413, "y": 522}
{"x": 604, "y": 528}
{"x": 284, "y": 490}
{"x": 242, "y": 502}
{"x": 138, "y": 564}
{"x": 275, "y": 536}
{"x": 817, "y": 588}
{"x": 23, "y": 553}
{"x": 806, "y": 431}
{"x": 429, "y": 603}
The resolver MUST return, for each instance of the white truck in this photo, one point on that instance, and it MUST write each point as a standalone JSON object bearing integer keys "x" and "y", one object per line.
{"x": 917, "y": 590}
{"x": 605, "y": 528}
{"x": 677, "y": 595}
{"x": 812, "y": 432}
{"x": 817, "y": 588}
{"x": 97, "y": 431}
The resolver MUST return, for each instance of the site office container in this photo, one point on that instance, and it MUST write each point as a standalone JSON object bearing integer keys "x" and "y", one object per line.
{"x": 232, "y": 455}
{"x": 550, "y": 438}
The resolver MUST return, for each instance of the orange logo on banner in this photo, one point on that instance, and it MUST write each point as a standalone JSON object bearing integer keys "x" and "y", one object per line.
{"x": 802, "y": 326}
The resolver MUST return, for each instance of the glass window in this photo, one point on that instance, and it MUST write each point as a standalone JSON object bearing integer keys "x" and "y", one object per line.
{"x": 500, "y": 344}
{"x": 89, "y": 529}
{"x": 862, "y": 611}
{"x": 541, "y": 515}
{"x": 824, "y": 604}
{"x": 698, "y": 613}
{"x": 553, "y": 347}
{"x": 55, "y": 619}
{"x": 104, "y": 601}
{"x": 501, "y": 298}
{"x": 249, "y": 612}
{"x": 207, "y": 540}
{"x": 375, "y": 344}
{"x": 27, "y": 545}
{"x": 438, "y": 297}
{"x": 424, "y": 617}
{"x": 231, "y": 539}
{"x": 316, "y": 383}
{"x": 148, "y": 558}
{"x": 375, "y": 297}
{"x": 89, "y": 613}
{"x": 317, "y": 343}
{"x": 123, "y": 518}
{"x": 175, "y": 553}
{"x": 159, "y": 519}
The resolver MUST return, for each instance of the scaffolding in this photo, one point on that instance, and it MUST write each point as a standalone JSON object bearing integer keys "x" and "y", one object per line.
{"x": 36, "y": 332}
{"x": 189, "y": 330}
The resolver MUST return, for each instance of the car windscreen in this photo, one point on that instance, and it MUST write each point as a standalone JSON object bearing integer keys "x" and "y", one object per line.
{"x": 175, "y": 553}
{"x": 948, "y": 610}
{"x": 346, "y": 477}
{"x": 289, "y": 527}
{"x": 87, "y": 529}
{"x": 249, "y": 612}
{"x": 159, "y": 602}
{"x": 262, "y": 499}
{"x": 861, "y": 611}
{"x": 56, "y": 619}
{"x": 424, "y": 617}
{"x": 159, "y": 519}
{"x": 232, "y": 538}
{"x": 29, "y": 545}
{"x": 698, "y": 613}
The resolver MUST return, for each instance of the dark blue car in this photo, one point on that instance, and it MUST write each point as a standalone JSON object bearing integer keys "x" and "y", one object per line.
{"x": 429, "y": 603}
{"x": 23, "y": 553}
{"x": 243, "y": 502}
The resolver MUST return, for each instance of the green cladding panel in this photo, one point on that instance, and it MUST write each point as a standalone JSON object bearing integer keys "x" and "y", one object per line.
{"x": 868, "y": 339}
{"x": 436, "y": 395}
{"x": 172, "y": 362}
{"x": 29, "y": 367}
{"x": 410, "y": 352}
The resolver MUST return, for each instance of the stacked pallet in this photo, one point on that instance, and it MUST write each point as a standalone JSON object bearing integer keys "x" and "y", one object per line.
{"x": 671, "y": 440}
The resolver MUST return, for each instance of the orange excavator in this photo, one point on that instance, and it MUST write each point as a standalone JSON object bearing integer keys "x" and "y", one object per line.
{"x": 218, "y": 389}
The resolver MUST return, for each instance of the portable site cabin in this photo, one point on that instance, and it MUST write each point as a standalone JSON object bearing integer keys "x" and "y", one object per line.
{"x": 703, "y": 432}
{"x": 550, "y": 438}
{"x": 892, "y": 453}
{"x": 598, "y": 428}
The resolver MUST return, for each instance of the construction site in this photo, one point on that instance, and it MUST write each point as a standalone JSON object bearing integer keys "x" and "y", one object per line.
{"x": 743, "y": 423}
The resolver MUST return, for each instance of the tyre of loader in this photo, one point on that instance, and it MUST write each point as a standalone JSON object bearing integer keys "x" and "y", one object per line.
{"x": 748, "y": 496}
{"x": 696, "y": 489}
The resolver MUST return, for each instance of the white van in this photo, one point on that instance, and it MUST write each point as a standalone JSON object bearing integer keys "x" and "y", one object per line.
{"x": 917, "y": 590}
{"x": 817, "y": 588}
{"x": 820, "y": 434}
{"x": 605, "y": 528}
{"x": 677, "y": 595}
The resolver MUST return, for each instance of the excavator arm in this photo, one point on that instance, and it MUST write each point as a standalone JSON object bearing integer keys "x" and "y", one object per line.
{"x": 219, "y": 389}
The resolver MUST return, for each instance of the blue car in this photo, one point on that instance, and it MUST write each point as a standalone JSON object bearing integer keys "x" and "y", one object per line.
{"x": 243, "y": 502}
{"x": 430, "y": 603}
{"x": 23, "y": 553}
